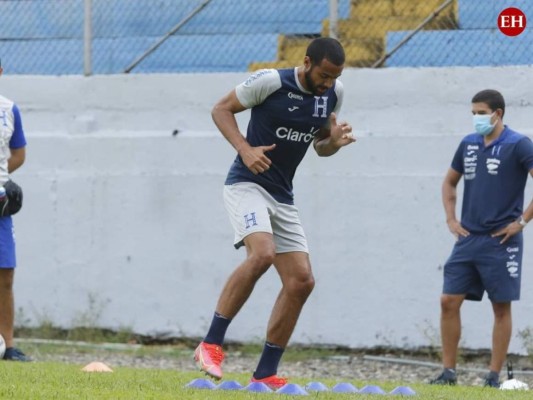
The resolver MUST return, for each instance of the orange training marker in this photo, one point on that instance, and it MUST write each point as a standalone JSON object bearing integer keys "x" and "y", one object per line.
{"x": 96, "y": 366}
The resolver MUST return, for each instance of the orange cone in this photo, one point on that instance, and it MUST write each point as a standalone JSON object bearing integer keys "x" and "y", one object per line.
{"x": 96, "y": 366}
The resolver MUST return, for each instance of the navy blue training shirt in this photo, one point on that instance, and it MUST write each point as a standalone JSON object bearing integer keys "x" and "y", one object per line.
{"x": 494, "y": 179}
{"x": 284, "y": 113}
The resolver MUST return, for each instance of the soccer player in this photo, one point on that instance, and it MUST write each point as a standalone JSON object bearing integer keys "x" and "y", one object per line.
{"x": 487, "y": 256}
{"x": 12, "y": 156}
{"x": 290, "y": 109}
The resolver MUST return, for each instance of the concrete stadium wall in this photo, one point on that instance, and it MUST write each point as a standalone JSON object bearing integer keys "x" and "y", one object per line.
{"x": 123, "y": 224}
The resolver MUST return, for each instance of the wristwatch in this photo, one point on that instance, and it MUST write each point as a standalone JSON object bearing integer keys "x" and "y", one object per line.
{"x": 522, "y": 222}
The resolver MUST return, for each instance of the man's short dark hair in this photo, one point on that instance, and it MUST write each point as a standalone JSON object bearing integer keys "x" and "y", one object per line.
{"x": 327, "y": 48}
{"x": 492, "y": 98}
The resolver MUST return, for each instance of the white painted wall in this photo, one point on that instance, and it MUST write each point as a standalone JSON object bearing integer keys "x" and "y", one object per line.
{"x": 118, "y": 209}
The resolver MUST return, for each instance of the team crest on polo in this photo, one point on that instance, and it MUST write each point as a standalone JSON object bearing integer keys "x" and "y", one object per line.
{"x": 492, "y": 166}
{"x": 321, "y": 106}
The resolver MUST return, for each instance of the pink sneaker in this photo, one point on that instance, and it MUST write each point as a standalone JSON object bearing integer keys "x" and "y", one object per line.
{"x": 209, "y": 357}
{"x": 274, "y": 382}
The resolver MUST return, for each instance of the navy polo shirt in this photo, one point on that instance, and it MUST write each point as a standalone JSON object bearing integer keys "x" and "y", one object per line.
{"x": 495, "y": 177}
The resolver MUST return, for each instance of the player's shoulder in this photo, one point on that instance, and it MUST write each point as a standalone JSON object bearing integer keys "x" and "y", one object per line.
{"x": 5, "y": 103}
{"x": 339, "y": 88}
{"x": 263, "y": 76}
{"x": 513, "y": 136}
{"x": 472, "y": 138}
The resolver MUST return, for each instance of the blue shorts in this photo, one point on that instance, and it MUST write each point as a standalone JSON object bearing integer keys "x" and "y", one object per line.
{"x": 7, "y": 243}
{"x": 479, "y": 263}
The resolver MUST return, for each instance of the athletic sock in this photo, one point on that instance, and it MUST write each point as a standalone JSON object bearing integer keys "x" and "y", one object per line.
{"x": 493, "y": 375}
{"x": 449, "y": 372}
{"x": 217, "y": 331}
{"x": 269, "y": 361}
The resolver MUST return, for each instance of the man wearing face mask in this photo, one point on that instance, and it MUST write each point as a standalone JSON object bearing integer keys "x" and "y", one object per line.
{"x": 487, "y": 255}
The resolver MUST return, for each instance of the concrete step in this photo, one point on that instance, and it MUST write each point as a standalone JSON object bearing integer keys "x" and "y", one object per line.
{"x": 391, "y": 8}
{"x": 360, "y": 52}
{"x": 363, "y": 35}
{"x": 271, "y": 64}
{"x": 377, "y": 27}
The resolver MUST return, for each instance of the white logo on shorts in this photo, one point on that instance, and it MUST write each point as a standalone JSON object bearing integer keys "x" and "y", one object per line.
{"x": 249, "y": 220}
{"x": 512, "y": 268}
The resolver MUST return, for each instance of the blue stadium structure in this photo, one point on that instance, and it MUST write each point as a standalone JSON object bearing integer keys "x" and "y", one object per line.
{"x": 46, "y": 36}
{"x": 477, "y": 42}
{"x": 227, "y": 35}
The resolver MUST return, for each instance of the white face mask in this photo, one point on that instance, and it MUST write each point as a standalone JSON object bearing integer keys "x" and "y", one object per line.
{"x": 482, "y": 124}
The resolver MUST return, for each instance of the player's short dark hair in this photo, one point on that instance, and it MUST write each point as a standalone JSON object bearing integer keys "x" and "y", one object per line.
{"x": 492, "y": 98}
{"x": 328, "y": 48}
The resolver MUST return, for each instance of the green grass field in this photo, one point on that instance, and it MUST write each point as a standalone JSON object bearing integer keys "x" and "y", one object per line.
{"x": 53, "y": 380}
{"x": 57, "y": 380}
{"x": 61, "y": 380}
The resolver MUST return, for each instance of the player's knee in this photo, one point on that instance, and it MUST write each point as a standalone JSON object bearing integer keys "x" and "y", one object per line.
{"x": 6, "y": 280}
{"x": 301, "y": 286}
{"x": 450, "y": 304}
{"x": 262, "y": 258}
{"x": 6, "y": 285}
{"x": 502, "y": 311}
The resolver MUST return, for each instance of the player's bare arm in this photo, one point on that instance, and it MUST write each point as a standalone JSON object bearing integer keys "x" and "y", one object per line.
{"x": 329, "y": 140}
{"x": 223, "y": 115}
{"x": 449, "y": 199}
{"x": 16, "y": 159}
{"x": 516, "y": 226}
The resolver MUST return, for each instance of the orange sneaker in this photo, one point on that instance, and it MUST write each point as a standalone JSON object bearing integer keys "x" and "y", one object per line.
{"x": 274, "y": 382}
{"x": 209, "y": 357}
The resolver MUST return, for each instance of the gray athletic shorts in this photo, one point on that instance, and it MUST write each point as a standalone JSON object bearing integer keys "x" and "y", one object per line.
{"x": 252, "y": 209}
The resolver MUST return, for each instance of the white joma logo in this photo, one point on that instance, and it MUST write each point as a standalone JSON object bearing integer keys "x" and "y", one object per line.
{"x": 291, "y": 109}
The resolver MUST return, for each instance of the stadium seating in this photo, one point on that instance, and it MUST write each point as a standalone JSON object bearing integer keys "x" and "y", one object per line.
{"x": 227, "y": 35}
{"x": 466, "y": 46}
{"x": 482, "y": 14}
{"x": 461, "y": 48}
{"x": 236, "y": 35}
{"x": 459, "y": 36}
{"x": 192, "y": 53}
{"x": 364, "y": 29}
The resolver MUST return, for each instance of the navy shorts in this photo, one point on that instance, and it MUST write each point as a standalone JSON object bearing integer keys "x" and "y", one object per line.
{"x": 7, "y": 243}
{"x": 479, "y": 263}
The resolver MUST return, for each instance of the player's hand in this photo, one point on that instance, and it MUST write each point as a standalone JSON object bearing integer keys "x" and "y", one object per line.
{"x": 255, "y": 159}
{"x": 510, "y": 230}
{"x": 340, "y": 133}
{"x": 457, "y": 229}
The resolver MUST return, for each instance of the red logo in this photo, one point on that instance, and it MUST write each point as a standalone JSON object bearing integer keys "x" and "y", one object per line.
{"x": 512, "y": 21}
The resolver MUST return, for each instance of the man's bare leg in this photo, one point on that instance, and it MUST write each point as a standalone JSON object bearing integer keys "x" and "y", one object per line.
{"x": 501, "y": 335}
{"x": 294, "y": 269}
{"x": 7, "y": 305}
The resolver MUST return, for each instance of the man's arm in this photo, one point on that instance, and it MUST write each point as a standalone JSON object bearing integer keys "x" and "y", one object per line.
{"x": 528, "y": 212}
{"x": 449, "y": 200}
{"x": 17, "y": 159}
{"x": 514, "y": 227}
{"x": 223, "y": 114}
{"x": 329, "y": 140}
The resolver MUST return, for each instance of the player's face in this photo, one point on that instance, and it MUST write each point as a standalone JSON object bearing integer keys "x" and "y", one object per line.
{"x": 484, "y": 109}
{"x": 321, "y": 77}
